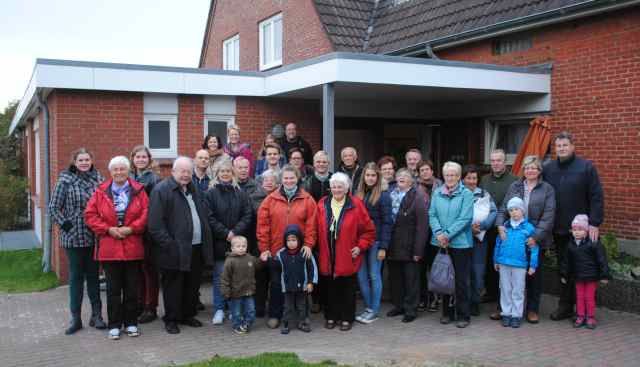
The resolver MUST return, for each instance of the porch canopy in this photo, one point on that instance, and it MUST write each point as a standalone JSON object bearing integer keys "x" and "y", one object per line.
{"x": 348, "y": 84}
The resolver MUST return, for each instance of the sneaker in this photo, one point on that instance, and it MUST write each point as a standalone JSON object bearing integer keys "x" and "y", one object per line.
{"x": 245, "y": 328}
{"x": 506, "y": 321}
{"x": 218, "y": 318}
{"x": 285, "y": 328}
{"x": 239, "y": 330}
{"x": 591, "y": 323}
{"x": 363, "y": 316}
{"x": 515, "y": 322}
{"x": 369, "y": 318}
{"x": 114, "y": 334}
{"x": 580, "y": 322}
{"x": 132, "y": 331}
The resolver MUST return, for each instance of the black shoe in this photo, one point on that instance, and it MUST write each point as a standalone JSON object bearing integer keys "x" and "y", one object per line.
{"x": 147, "y": 317}
{"x": 475, "y": 309}
{"x": 462, "y": 324}
{"x": 395, "y": 312}
{"x": 422, "y": 307}
{"x": 408, "y": 318}
{"x": 284, "y": 329}
{"x": 200, "y": 306}
{"x": 193, "y": 322}
{"x": 97, "y": 322}
{"x": 445, "y": 320}
{"x": 76, "y": 324}
{"x": 171, "y": 328}
{"x": 561, "y": 314}
{"x": 304, "y": 327}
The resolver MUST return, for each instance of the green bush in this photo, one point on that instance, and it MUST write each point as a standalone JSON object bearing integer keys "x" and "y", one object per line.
{"x": 610, "y": 243}
{"x": 13, "y": 199}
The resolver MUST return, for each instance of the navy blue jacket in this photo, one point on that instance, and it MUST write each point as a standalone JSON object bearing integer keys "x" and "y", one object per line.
{"x": 297, "y": 271}
{"x": 382, "y": 218}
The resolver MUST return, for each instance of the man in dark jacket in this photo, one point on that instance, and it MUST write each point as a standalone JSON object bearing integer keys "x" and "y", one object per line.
{"x": 178, "y": 224}
{"x": 578, "y": 191}
{"x": 317, "y": 184}
{"x": 292, "y": 140}
{"x": 350, "y": 166}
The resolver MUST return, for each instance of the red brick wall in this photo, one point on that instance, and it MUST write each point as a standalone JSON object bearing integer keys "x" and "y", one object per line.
{"x": 303, "y": 33}
{"x": 190, "y": 124}
{"x": 595, "y": 95}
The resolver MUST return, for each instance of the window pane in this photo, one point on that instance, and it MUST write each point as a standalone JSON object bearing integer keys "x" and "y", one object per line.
{"x": 267, "y": 45}
{"x": 277, "y": 40}
{"x": 159, "y": 134}
{"x": 236, "y": 54}
{"x": 218, "y": 128}
{"x": 511, "y": 136}
{"x": 225, "y": 62}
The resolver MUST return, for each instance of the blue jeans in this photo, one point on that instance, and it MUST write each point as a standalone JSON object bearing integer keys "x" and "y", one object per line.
{"x": 218, "y": 299}
{"x": 243, "y": 311}
{"x": 478, "y": 268}
{"x": 370, "y": 278}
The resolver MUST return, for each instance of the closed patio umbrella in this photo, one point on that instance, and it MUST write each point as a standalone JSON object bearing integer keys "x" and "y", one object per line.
{"x": 535, "y": 143}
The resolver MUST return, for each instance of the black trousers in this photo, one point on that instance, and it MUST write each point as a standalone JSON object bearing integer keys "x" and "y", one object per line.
{"x": 341, "y": 298}
{"x": 534, "y": 286}
{"x": 461, "y": 259}
{"x": 276, "y": 297}
{"x": 262, "y": 290}
{"x": 404, "y": 277}
{"x": 123, "y": 280}
{"x": 491, "y": 277}
{"x": 567, "y": 291}
{"x": 319, "y": 294}
{"x": 296, "y": 307}
{"x": 180, "y": 289}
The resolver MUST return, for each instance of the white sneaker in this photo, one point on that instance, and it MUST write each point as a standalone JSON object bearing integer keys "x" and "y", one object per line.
{"x": 114, "y": 334}
{"x": 132, "y": 331}
{"x": 218, "y": 317}
{"x": 363, "y": 316}
{"x": 369, "y": 318}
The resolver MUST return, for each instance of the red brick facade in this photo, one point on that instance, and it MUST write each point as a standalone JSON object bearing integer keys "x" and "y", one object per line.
{"x": 303, "y": 34}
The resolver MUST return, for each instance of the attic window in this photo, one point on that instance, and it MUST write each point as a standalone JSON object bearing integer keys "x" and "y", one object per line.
{"x": 398, "y": 2}
{"x": 513, "y": 44}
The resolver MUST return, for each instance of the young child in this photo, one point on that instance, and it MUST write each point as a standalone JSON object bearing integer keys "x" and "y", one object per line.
{"x": 511, "y": 260}
{"x": 586, "y": 262}
{"x": 298, "y": 277}
{"x": 238, "y": 285}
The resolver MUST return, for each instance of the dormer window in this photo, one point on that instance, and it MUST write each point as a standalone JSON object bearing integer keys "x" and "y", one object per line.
{"x": 270, "y": 42}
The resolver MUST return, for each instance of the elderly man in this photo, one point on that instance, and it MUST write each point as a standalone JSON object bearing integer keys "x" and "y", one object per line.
{"x": 201, "y": 177}
{"x": 578, "y": 191}
{"x": 292, "y": 140}
{"x": 241, "y": 168}
{"x": 497, "y": 183}
{"x": 317, "y": 184}
{"x": 350, "y": 166}
{"x": 412, "y": 157}
{"x": 178, "y": 224}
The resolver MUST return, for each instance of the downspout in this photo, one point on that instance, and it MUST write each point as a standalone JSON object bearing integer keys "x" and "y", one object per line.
{"x": 429, "y": 50}
{"x": 46, "y": 255}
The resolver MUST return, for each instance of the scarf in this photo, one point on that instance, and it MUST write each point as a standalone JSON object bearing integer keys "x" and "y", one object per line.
{"x": 290, "y": 192}
{"x": 396, "y": 201}
{"x": 321, "y": 178}
{"x": 120, "y": 199}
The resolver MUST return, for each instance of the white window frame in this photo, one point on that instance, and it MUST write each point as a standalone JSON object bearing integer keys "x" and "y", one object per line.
{"x": 172, "y": 152}
{"x": 491, "y": 135}
{"x": 261, "y": 26}
{"x": 234, "y": 44}
{"x": 229, "y": 119}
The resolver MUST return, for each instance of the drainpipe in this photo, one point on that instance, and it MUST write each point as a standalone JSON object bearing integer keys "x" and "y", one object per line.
{"x": 429, "y": 50}
{"x": 46, "y": 255}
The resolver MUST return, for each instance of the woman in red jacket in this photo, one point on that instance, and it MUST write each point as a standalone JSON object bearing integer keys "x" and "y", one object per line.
{"x": 117, "y": 214}
{"x": 344, "y": 232}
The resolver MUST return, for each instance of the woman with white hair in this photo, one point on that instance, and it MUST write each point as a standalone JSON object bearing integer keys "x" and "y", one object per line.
{"x": 117, "y": 214}
{"x": 450, "y": 217}
{"x": 345, "y": 232}
{"x": 230, "y": 215}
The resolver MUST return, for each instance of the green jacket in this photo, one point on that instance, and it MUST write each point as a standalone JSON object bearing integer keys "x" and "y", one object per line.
{"x": 238, "y": 276}
{"x": 497, "y": 186}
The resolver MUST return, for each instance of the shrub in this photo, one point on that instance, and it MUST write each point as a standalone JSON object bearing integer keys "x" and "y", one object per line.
{"x": 13, "y": 199}
{"x": 610, "y": 243}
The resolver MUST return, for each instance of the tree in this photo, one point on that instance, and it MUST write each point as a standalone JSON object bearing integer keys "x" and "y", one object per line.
{"x": 10, "y": 145}
{"x": 13, "y": 184}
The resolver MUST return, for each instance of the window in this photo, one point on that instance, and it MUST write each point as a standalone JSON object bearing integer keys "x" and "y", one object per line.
{"x": 512, "y": 44}
{"x": 161, "y": 135}
{"x": 217, "y": 125}
{"x": 271, "y": 42}
{"x": 231, "y": 53}
{"x": 506, "y": 134}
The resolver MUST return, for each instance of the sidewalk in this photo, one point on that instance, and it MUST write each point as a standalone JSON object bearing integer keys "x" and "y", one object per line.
{"x": 31, "y": 334}
{"x": 18, "y": 240}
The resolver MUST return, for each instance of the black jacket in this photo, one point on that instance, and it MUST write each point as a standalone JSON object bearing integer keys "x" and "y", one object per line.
{"x": 578, "y": 191}
{"x": 586, "y": 262}
{"x": 299, "y": 143}
{"x": 353, "y": 173}
{"x": 315, "y": 187}
{"x": 229, "y": 210}
{"x": 409, "y": 231}
{"x": 171, "y": 227}
{"x": 297, "y": 271}
{"x": 147, "y": 178}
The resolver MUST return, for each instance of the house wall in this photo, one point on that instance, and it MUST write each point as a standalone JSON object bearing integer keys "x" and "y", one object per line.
{"x": 595, "y": 92}
{"x": 303, "y": 34}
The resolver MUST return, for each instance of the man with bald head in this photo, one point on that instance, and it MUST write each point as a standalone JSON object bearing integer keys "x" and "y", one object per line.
{"x": 291, "y": 140}
{"x": 200, "y": 176}
{"x": 178, "y": 224}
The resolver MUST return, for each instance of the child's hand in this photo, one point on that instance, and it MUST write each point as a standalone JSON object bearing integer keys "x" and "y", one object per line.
{"x": 309, "y": 287}
{"x": 497, "y": 267}
{"x": 531, "y": 271}
{"x": 502, "y": 231}
{"x": 265, "y": 256}
{"x": 604, "y": 281}
{"x": 563, "y": 281}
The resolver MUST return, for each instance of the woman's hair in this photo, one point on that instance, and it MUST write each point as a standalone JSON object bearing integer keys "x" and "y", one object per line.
{"x": 233, "y": 127}
{"x": 119, "y": 160}
{"x": 387, "y": 159}
{"x": 470, "y": 168}
{"x": 376, "y": 189}
{"x": 205, "y": 143}
{"x": 532, "y": 160}
{"x": 342, "y": 179}
{"x": 273, "y": 146}
{"x": 223, "y": 164}
{"x": 425, "y": 162}
{"x": 77, "y": 152}
{"x": 404, "y": 172}
{"x": 137, "y": 149}
{"x": 289, "y": 168}
{"x": 273, "y": 174}
{"x": 295, "y": 150}
{"x": 320, "y": 153}
{"x": 452, "y": 165}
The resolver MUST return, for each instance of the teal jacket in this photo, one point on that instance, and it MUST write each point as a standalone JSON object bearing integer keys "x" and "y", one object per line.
{"x": 452, "y": 214}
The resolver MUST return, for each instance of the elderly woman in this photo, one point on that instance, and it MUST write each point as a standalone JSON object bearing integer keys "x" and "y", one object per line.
{"x": 388, "y": 166}
{"x": 117, "y": 214}
{"x": 235, "y": 148}
{"x": 484, "y": 216}
{"x": 345, "y": 232}
{"x": 540, "y": 205}
{"x": 290, "y": 204}
{"x": 73, "y": 190}
{"x": 371, "y": 190}
{"x": 408, "y": 239}
{"x": 143, "y": 173}
{"x": 230, "y": 214}
{"x": 213, "y": 145}
{"x": 450, "y": 216}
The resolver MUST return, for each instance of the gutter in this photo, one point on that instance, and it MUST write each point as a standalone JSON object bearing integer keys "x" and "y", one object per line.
{"x": 563, "y": 14}
{"x": 46, "y": 254}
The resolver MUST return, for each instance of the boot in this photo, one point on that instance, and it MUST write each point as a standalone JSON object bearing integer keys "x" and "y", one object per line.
{"x": 76, "y": 324}
{"x": 96, "y": 320}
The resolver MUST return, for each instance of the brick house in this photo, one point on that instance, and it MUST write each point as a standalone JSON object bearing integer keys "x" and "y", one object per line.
{"x": 453, "y": 78}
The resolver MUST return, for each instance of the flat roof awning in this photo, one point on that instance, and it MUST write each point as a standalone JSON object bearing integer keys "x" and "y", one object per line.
{"x": 357, "y": 78}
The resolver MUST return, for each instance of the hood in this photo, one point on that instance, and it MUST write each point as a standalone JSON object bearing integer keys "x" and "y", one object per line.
{"x": 293, "y": 229}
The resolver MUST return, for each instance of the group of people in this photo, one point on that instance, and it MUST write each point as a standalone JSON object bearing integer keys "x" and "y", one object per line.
{"x": 285, "y": 237}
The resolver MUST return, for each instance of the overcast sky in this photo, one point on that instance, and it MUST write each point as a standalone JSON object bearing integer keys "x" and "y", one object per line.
{"x": 153, "y": 32}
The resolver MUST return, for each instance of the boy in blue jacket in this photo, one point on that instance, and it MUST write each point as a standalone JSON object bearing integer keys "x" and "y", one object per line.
{"x": 511, "y": 261}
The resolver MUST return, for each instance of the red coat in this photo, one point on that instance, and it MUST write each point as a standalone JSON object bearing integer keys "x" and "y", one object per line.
{"x": 355, "y": 228}
{"x": 100, "y": 215}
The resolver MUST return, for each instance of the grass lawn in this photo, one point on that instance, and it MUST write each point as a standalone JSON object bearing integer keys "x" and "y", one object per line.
{"x": 263, "y": 360}
{"x": 21, "y": 271}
